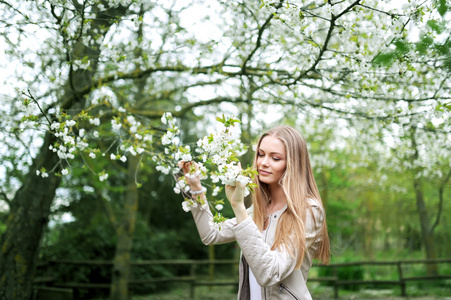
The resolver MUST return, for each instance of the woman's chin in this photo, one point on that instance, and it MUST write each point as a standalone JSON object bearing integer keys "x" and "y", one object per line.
{"x": 264, "y": 179}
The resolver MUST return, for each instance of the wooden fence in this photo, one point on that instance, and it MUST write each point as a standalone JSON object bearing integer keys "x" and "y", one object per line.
{"x": 194, "y": 280}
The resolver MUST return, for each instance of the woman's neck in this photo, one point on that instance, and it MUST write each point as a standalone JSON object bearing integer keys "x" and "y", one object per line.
{"x": 278, "y": 199}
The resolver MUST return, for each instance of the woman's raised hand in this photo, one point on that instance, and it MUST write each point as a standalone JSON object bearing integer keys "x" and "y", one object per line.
{"x": 192, "y": 181}
{"x": 235, "y": 194}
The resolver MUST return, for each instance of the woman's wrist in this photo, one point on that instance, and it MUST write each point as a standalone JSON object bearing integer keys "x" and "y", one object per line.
{"x": 240, "y": 212}
{"x": 198, "y": 190}
{"x": 195, "y": 186}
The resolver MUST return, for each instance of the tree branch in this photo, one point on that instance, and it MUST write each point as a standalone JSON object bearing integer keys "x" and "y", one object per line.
{"x": 259, "y": 38}
{"x": 13, "y": 8}
{"x": 326, "y": 42}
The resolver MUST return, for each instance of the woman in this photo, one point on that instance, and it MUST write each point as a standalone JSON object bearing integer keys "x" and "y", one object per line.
{"x": 283, "y": 230}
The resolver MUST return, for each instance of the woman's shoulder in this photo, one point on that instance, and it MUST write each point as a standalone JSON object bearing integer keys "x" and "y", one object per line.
{"x": 314, "y": 202}
{"x": 316, "y": 209}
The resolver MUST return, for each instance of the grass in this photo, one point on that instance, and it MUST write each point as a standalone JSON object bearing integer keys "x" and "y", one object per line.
{"x": 420, "y": 291}
{"x": 424, "y": 290}
{"x": 182, "y": 292}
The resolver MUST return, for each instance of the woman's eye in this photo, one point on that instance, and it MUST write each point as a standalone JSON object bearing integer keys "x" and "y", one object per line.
{"x": 276, "y": 159}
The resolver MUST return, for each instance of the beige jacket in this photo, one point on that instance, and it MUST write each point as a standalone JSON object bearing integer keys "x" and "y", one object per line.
{"x": 273, "y": 269}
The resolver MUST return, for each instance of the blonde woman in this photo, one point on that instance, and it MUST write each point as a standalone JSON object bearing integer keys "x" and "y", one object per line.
{"x": 283, "y": 230}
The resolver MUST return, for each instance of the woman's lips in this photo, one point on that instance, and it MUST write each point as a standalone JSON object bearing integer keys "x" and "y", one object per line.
{"x": 263, "y": 172}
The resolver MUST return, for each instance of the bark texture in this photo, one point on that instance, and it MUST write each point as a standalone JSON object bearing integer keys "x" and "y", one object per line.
{"x": 30, "y": 208}
{"x": 125, "y": 231}
{"x": 427, "y": 230}
{"x": 28, "y": 217}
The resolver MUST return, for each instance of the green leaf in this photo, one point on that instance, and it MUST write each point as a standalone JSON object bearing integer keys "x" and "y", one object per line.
{"x": 424, "y": 44}
{"x": 401, "y": 46}
{"x": 436, "y": 26}
{"x": 442, "y": 7}
{"x": 385, "y": 59}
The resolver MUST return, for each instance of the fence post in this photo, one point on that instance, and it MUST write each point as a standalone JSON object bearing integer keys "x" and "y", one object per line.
{"x": 334, "y": 268}
{"x": 402, "y": 282}
{"x": 211, "y": 266}
{"x": 193, "y": 281}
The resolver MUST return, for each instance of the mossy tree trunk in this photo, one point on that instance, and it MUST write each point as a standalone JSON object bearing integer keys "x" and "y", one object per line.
{"x": 27, "y": 219}
{"x": 427, "y": 230}
{"x": 30, "y": 208}
{"x": 125, "y": 230}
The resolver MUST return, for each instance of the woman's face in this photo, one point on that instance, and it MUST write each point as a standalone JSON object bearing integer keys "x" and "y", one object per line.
{"x": 271, "y": 160}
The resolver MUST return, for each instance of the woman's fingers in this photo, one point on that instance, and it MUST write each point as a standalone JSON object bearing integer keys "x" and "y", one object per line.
{"x": 185, "y": 166}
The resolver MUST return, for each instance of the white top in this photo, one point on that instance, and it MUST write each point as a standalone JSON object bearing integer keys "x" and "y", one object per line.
{"x": 255, "y": 288}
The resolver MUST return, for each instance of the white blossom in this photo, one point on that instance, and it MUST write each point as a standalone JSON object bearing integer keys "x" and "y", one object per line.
{"x": 187, "y": 157}
{"x": 55, "y": 125}
{"x": 167, "y": 138}
{"x": 131, "y": 150}
{"x": 186, "y": 206}
{"x": 165, "y": 117}
{"x": 115, "y": 124}
{"x": 216, "y": 191}
{"x": 163, "y": 169}
{"x": 131, "y": 120}
{"x": 62, "y": 154}
{"x": 140, "y": 150}
{"x": 82, "y": 145}
{"x": 95, "y": 121}
{"x": 70, "y": 123}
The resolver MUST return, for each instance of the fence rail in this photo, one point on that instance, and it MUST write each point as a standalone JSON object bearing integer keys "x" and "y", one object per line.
{"x": 194, "y": 280}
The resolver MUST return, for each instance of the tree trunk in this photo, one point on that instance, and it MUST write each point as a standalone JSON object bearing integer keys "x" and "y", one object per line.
{"x": 427, "y": 234}
{"x": 368, "y": 226}
{"x": 30, "y": 207}
{"x": 28, "y": 217}
{"x": 125, "y": 231}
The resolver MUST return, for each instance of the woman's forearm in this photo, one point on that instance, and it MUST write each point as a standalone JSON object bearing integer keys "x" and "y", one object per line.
{"x": 240, "y": 212}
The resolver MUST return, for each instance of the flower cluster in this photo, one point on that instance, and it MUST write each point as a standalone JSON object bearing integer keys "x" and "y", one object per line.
{"x": 216, "y": 154}
{"x": 76, "y": 135}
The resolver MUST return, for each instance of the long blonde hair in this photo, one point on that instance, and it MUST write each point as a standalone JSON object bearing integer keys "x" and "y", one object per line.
{"x": 298, "y": 184}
